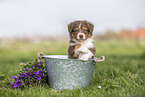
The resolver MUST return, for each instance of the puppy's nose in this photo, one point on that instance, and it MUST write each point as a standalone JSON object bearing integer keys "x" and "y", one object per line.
{"x": 81, "y": 36}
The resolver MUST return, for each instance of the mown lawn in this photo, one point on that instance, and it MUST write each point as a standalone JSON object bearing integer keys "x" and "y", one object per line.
{"x": 122, "y": 74}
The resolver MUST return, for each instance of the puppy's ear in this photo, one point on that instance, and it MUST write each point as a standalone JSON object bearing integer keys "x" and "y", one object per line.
{"x": 70, "y": 27}
{"x": 90, "y": 26}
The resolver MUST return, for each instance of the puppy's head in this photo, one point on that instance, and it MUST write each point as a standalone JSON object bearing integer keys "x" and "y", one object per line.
{"x": 80, "y": 30}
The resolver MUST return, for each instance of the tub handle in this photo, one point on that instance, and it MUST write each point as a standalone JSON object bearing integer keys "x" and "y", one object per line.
{"x": 101, "y": 59}
{"x": 40, "y": 56}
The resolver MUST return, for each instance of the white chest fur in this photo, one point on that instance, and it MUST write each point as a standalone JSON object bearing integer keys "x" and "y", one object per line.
{"x": 83, "y": 52}
{"x": 88, "y": 43}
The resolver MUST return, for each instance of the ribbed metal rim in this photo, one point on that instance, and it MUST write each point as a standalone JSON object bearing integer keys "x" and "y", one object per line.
{"x": 62, "y": 57}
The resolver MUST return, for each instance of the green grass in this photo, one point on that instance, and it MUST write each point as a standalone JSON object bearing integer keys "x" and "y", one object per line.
{"x": 122, "y": 74}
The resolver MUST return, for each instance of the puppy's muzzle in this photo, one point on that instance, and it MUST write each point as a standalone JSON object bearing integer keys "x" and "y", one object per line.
{"x": 81, "y": 36}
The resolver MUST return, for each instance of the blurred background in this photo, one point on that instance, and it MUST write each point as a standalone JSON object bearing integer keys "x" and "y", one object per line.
{"x": 28, "y": 19}
{"x": 27, "y": 24}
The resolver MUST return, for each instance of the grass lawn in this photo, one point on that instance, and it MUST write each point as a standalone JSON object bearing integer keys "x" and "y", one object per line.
{"x": 122, "y": 74}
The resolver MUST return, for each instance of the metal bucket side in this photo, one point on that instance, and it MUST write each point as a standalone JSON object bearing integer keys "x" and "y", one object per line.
{"x": 68, "y": 74}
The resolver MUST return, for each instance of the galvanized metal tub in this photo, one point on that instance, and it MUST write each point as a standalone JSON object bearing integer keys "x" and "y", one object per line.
{"x": 64, "y": 73}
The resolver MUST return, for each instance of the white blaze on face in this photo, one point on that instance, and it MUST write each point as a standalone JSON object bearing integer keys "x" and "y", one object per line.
{"x": 80, "y": 35}
{"x": 80, "y": 25}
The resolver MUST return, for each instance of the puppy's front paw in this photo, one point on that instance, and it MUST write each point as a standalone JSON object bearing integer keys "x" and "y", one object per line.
{"x": 84, "y": 57}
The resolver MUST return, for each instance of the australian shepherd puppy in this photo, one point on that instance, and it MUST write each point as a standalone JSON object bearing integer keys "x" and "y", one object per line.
{"x": 81, "y": 44}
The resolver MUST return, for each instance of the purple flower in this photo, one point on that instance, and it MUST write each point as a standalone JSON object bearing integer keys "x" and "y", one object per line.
{"x": 28, "y": 69}
{"x": 21, "y": 83}
{"x": 36, "y": 73}
{"x": 37, "y": 64}
{"x": 40, "y": 71}
{"x": 14, "y": 77}
{"x": 29, "y": 74}
{"x": 38, "y": 78}
{"x": 22, "y": 75}
{"x": 14, "y": 85}
{"x": 17, "y": 84}
{"x": 39, "y": 83}
{"x": 18, "y": 80}
{"x": 24, "y": 79}
{"x": 41, "y": 63}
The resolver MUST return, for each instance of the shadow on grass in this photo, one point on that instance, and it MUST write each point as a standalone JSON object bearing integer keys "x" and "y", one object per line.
{"x": 124, "y": 57}
{"x": 142, "y": 56}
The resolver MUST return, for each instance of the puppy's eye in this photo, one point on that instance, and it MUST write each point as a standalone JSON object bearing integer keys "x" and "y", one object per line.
{"x": 75, "y": 30}
{"x": 85, "y": 30}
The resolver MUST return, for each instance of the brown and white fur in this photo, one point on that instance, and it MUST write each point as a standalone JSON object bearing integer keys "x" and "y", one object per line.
{"x": 81, "y": 44}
